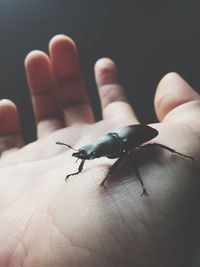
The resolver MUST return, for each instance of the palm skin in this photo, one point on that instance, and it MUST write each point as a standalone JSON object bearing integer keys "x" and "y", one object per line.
{"x": 47, "y": 222}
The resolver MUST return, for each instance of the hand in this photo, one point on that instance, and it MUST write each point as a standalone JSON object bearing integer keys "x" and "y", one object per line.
{"x": 47, "y": 222}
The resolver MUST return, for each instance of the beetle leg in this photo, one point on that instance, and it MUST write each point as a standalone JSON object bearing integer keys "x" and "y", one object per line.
{"x": 144, "y": 191}
{"x": 80, "y": 168}
{"x": 167, "y": 148}
{"x": 112, "y": 169}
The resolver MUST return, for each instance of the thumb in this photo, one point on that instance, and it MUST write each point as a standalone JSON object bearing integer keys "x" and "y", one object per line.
{"x": 175, "y": 100}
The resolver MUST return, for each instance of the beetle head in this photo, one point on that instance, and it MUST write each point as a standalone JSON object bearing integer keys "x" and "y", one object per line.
{"x": 86, "y": 152}
{"x": 81, "y": 154}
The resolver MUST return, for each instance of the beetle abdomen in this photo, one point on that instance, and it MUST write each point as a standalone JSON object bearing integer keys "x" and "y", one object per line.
{"x": 135, "y": 135}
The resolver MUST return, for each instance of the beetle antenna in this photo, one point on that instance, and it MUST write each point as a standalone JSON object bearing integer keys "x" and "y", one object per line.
{"x": 63, "y": 144}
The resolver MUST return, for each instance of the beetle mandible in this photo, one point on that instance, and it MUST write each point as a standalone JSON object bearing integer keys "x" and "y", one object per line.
{"x": 119, "y": 144}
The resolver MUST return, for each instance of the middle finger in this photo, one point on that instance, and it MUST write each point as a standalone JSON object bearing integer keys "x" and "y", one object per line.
{"x": 73, "y": 94}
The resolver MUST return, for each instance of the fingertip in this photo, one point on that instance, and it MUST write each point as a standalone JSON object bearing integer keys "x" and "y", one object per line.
{"x": 172, "y": 91}
{"x": 106, "y": 72}
{"x": 6, "y": 102}
{"x": 38, "y": 71}
{"x": 9, "y": 117}
{"x": 7, "y": 106}
{"x": 61, "y": 39}
{"x": 64, "y": 58}
{"x": 35, "y": 57}
{"x": 104, "y": 62}
{"x": 168, "y": 81}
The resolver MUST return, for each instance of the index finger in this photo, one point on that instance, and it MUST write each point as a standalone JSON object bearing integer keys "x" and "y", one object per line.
{"x": 112, "y": 95}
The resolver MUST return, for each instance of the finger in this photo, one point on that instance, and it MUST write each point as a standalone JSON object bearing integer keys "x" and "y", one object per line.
{"x": 65, "y": 66}
{"x": 175, "y": 99}
{"x": 43, "y": 92}
{"x": 112, "y": 96}
{"x": 10, "y": 130}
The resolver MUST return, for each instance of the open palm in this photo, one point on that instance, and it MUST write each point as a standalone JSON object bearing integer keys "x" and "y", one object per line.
{"x": 47, "y": 222}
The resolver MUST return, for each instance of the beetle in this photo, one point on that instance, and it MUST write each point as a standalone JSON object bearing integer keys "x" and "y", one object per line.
{"x": 119, "y": 144}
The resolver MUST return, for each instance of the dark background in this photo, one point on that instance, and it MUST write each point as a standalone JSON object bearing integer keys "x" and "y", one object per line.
{"x": 146, "y": 38}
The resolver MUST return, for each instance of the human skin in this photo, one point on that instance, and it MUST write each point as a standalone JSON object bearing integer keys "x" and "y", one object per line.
{"x": 47, "y": 222}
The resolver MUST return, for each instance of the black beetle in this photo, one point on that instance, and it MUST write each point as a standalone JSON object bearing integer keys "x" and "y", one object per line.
{"x": 120, "y": 144}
